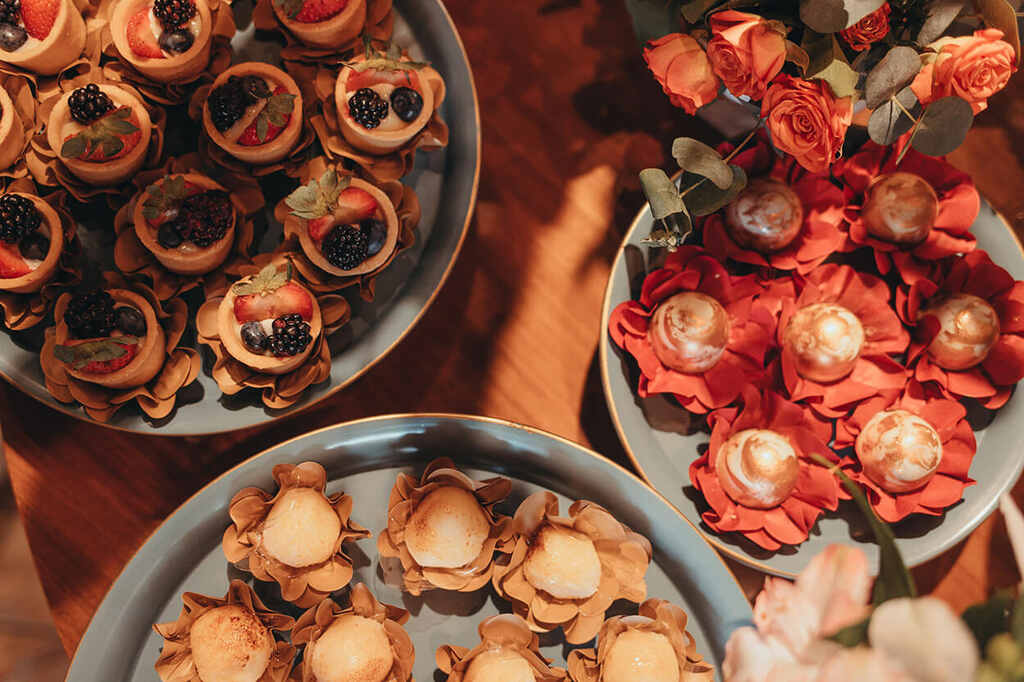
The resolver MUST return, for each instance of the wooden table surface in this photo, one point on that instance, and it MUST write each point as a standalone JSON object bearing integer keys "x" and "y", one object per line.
{"x": 569, "y": 117}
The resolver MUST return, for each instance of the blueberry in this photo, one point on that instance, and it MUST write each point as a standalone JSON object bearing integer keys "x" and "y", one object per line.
{"x": 407, "y": 103}
{"x": 12, "y": 37}
{"x": 168, "y": 235}
{"x": 130, "y": 321}
{"x": 376, "y": 232}
{"x": 255, "y": 87}
{"x": 176, "y": 41}
{"x": 253, "y": 336}
{"x": 34, "y": 246}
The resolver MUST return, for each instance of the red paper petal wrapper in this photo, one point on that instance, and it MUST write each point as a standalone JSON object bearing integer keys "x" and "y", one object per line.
{"x": 751, "y": 334}
{"x": 946, "y": 487}
{"x": 950, "y": 234}
{"x": 817, "y": 489}
{"x": 823, "y": 204}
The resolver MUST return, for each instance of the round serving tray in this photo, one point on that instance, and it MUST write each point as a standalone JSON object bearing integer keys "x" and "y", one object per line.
{"x": 363, "y": 458}
{"x": 656, "y": 436}
{"x": 446, "y": 183}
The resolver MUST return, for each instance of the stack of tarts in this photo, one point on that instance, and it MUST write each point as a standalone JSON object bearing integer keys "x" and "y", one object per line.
{"x": 824, "y": 324}
{"x": 304, "y": 619}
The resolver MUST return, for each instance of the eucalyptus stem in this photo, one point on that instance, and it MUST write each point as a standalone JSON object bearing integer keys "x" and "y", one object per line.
{"x": 746, "y": 140}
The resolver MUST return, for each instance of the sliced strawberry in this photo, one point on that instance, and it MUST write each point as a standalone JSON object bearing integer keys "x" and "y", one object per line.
{"x": 371, "y": 77}
{"x": 288, "y": 299}
{"x": 354, "y": 205}
{"x": 319, "y": 227}
{"x": 250, "y": 136}
{"x": 140, "y": 36}
{"x": 39, "y": 16}
{"x": 107, "y": 366}
{"x": 11, "y": 263}
{"x": 314, "y": 11}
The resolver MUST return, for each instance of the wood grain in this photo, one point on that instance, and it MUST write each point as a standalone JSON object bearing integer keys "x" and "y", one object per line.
{"x": 569, "y": 117}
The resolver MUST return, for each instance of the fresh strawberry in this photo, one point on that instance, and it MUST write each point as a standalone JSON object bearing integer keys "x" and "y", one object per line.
{"x": 250, "y": 137}
{"x": 39, "y": 16}
{"x": 287, "y": 299}
{"x": 140, "y": 36}
{"x": 107, "y": 366}
{"x": 11, "y": 263}
{"x": 110, "y": 137}
{"x": 354, "y": 205}
{"x": 314, "y": 11}
{"x": 370, "y": 77}
{"x": 319, "y": 227}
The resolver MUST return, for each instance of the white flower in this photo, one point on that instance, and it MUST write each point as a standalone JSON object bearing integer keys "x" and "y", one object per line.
{"x": 924, "y": 635}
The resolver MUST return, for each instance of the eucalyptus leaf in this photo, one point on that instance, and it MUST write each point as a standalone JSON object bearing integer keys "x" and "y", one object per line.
{"x": 654, "y": 18}
{"x": 1002, "y": 15}
{"x": 798, "y": 56}
{"x": 888, "y": 122}
{"x": 694, "y": 10}
{"x": 661, "y": 193}
{"x": 693, "y": 156}
{"x": 705, "y": 198}
{"x": 944, "y": 125}
{"x": 832, "y": 16}
{"x": 828, "y": 63}
{"x": 894, "y": 72}
{"x": 939, "y": 15}
{"x": 852, "y": 635}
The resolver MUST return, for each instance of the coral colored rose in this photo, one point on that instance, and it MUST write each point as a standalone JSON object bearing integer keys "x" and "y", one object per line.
{"x": 746, "y": 51}
{"x": 972, "y": 67}
{"x": 806, "y": 120}
{"x": 868, "y": 30}
{"x": 678, "y": 62}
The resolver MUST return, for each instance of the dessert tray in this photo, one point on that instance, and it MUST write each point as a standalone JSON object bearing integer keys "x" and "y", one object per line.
{"x": 361, "y": 323}
{"x": 363, "y": 459}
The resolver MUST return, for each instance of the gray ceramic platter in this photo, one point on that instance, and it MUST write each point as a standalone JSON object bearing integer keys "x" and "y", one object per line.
{"x": 446, "y": 183}
{"x": 655, "y": 434}
{"x": 363, "y": 458}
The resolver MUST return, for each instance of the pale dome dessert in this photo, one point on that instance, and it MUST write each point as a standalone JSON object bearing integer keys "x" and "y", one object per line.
{"x": 968, "y": 329}
{"x": 757, "y": 468}
{"x": 900, "y": 208}
{"x": 328, "y": 24}
{"x": 499, "y": 664}
{"x": 230, "y": 643}
{"x": 41, "y": 36}
{"x": 301, "y": 529}
{"x": 31, "y": 243}
{"x": 766, "y": 216}
{"x": 640, "y": 656}
{"x": 898, "y": 450}
{"x": 508, "y": 652}
{"x": 689, "y": 332}
{"x": 448, "y": 528}
{"x": 165, "y": 40}
{"x": 824, "y": 340}
{"x": 563, "y": 563}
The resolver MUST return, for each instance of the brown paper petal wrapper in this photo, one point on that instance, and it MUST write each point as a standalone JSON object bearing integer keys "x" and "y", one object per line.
{"x": 407, "y": 495}
{"x": 312, "y": 624}
{"x": 624, "y": 556}
{"x": 20, "y": 88}
{"x": 241, "y": 542}
{"x": 657, "y": 616}
{"x": 44, "y": 163}
{"x": 137, "y": 262}
{"x": 22, "y": 311}
{"x": 502, "y": 632}
{"x": 380, "y": 24}
{"x": 283, "y": 390}
{"x": 156, "y": 398}
{"x": 176, "y": 663}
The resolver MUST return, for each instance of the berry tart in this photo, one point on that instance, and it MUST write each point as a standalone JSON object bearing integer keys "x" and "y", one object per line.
{"x": 165, "y": 40}
{"x": 187, "y": 222}
{"x": 41, "y": 36}
{"x": 12, "y": 130}
{"x": 101, "y": 133}
{"x": 31, "y": 243}
{"x": 322, "y": 23}
{"x": 254, "y": 113}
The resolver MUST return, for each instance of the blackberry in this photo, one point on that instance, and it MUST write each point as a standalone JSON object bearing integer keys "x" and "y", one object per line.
{"x": 291, "y": 335}
{"x": 345, "y": 247}
{"x": 10, "y": 12}
{"x": 367, "y": 108}
{"x": 89, "y": 104}
{"x": 90, "y": 314}
{"x": 173, "y": 13}
{"x": 19, "y": 217}
{"x": 227, "y": 103}
{"x": 407, "y": 103}
{"x": 205, "y": 218}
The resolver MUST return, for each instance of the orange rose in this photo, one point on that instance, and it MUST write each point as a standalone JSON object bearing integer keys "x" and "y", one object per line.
{"x": 972, "y": 67}
{"x": 746, "y": 51}
{"x": 678, "y": 62}
{"x": 806, "y": 120}
{"x": 868, "y": 30}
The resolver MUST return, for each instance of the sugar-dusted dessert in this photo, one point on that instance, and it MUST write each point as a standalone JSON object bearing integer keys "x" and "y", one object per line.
{"x": 165, "y": 40}
{"x": 508, "y": 652}
{"x": 254, "y": 113}
{"x": 31, "y": 243}
{"x": 41, "y": 36}
{"x": 329, "y": 24}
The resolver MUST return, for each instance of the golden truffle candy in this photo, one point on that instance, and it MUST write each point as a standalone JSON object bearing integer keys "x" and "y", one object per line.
{"x": 301, "y": 529}
{"x": 563, "y": 563}
{"x": 824, "y": 340}
{"x": 447, "y": 529}
{"x": 229, "y": 644}
{"x": 640, "y": 656}
{"x": 352, "y": 649}
{"x": 757, "y": 468}
{"x": 900, "y": 208}
{"x": 499, "y": 665}
{"x": 899, "y": 450}
{"x": 689, "y": 332}
{"x": 968, "y": 328}
{"x": 766, "y": 216}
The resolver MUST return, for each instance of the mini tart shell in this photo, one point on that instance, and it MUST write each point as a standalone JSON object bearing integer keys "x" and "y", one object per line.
{"x": 101, "y": 172}
{"x": 334, "y": 33}
{"x": 375, "y": 261}
{"x": 230, "y": 336}
{"x": 148, "y": 360}
{"x": 12, "y": 132}
{"x": 504, "y": 632}
{"x": 180, "y": 67}
{"x": 192, "y": 262}
{"x": 379, "y": 141}
{"x": 34, "y": 281}
{"x": 63, "y": 45}
{"x": 268, "y": 152}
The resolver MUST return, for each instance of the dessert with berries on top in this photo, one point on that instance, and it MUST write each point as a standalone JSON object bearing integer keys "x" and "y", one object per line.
{"x": 269, "y": 322}
{"x": 187, "y": 222}
{"x": 31, "y": 242}
{"x": 348, "y": 226}
{"x": 111, "y": 338}
{"x": 42, "y": 36}
{"x": 165, "y": 40}
{"x": 322, "y": 23}
{"x": 254, "y": 113}
{"x": 12, "y": 131}
{"x": 100, "y": 132}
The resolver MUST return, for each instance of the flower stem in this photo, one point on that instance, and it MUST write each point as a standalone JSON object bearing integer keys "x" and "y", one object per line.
{"x": 746, "y": 140}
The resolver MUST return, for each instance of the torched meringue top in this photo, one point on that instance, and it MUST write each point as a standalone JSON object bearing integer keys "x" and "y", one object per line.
{"x": 640, "y": 656}
{"x": 563, "y": 563}
{"x": 499, "y": 664}
{"x": 230, "y": 643}
{"x": 447, "y": 529}
{"x": 898, "y": 450}
{"x": 301, "y": 529}
{"x": 689, "y": 332}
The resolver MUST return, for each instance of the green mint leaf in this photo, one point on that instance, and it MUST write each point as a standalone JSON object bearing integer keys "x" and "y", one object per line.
{"x": 73, "y": 147}
{"x": 262, "y": 126}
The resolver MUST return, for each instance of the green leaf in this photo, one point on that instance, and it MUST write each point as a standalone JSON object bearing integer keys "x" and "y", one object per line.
{"x": 654, "y": 18}
{"x": 1002, "y": 15}
{"x": 940, "y": 14}
{"x": 283, "y": 103}
{"x": 832, "y": 16}
{"x": 1017, "y": 620}
{"x": 101, "y": 350}
{"x": 894, "y": 72}
{"x": 694, "y": 10}
{"x": 262, "y": 126}
{"x": 661, "y": 193}
{"x": 852, "y": 635}
{"x": 317, "y": 198}
{"x": 73, "y": 147}
{"x": 111, "y": 146}
{"x": 266, "y": 281}
{"x": 798, "y": 56}
{"x": 828, "y": 63}
{"x": 696, "y": 157}
{"x": 705, "y": 198}
{"x": 888, "y": 122}
{"x": 989, "y": 618}
{"x": 943, "y": 127}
